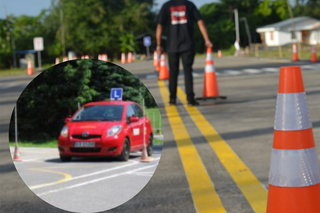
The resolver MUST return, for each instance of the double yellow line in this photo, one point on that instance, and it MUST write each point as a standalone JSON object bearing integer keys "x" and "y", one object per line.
{"x": 249, "y": 185}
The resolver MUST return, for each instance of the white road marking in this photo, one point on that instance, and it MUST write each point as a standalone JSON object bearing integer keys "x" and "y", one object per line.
{"x": 7, "y": 86}
{"x": 195, "y": 74}
{"x": 309, "y": 67}
{"x": 151, "y": 76}
{"x": 231, "y": 72}
{"x": 252, "y": 71}
{"x": 93, "y": 181}
{"x": 271, "y": 69}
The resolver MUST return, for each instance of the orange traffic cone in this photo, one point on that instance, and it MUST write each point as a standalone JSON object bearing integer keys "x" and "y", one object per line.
{"x": 130, "y": 57}
{"x": 74, "y": 57}
{"x": 210, "y": 88}
{"x": 313, "y": 54}
{"x": 30, "y": 69}
{"x": 99, "y": 57}
{"x": 164, "y": 73}
{"x": 219, "y": 54}
{"x": 294, "y": 179}
{"x": 123, "y": 58}
{"x": 104, "y": 57}
{"x": 16, "y": 154}
{"x": 57, "y": 60}
{"x": 294, "y": 53}
{"x": 86, "y": 57}
{"x": 65, "y": 59}
{"x": 82, "y": 57}
{"x": 156, "y": 62}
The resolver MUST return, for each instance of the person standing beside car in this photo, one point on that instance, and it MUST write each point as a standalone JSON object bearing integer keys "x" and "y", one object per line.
{"x": 178, "y": 17}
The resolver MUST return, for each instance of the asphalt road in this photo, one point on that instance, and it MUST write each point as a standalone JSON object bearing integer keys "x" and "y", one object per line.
{"x": 215, "y": 157}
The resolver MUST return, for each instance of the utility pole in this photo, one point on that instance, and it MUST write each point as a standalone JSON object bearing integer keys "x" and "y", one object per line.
{"x": 293, "y": 34}
{"x": 248, "y": 31}
{"x": 62, "y": 34}
{"x": 236, "y": 19}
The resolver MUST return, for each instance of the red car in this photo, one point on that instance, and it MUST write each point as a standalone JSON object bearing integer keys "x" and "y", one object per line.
{"x": 106, "y": 128}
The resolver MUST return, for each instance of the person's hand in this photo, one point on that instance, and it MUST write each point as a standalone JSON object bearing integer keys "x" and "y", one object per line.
{"x": 208, "y": 43}
{"x": 159, "y": 49}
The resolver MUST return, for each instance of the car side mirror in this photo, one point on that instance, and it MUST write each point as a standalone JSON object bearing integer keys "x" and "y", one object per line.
{"x": 134, "y": 119}
{"x": 67, "y": 120}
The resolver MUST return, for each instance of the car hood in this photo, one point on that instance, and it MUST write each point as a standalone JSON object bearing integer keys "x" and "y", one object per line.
{"x": 93, "y": 128}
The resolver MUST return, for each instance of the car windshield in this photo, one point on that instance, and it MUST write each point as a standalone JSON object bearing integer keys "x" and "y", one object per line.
{"x": 99, "y": 113}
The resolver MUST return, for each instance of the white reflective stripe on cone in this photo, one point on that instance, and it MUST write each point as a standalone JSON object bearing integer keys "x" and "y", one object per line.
{"x": 162, "y": 63}
{"x": 209, "y": 68}
{"x": 292, "y": 112}
{"x": 294, "y": 168}
{"x": 209, "y": 57}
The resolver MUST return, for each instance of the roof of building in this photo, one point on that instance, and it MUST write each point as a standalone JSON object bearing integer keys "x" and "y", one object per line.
{"x": 285, "y": 23}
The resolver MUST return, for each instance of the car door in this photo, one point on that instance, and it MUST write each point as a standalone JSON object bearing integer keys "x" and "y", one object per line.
{"x": 139, "y": 113}
{"x": 134, "y": 128}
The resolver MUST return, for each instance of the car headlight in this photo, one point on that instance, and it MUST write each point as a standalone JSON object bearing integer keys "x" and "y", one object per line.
{"x": 114, "y": 130}
{"x": 64, "y": 131}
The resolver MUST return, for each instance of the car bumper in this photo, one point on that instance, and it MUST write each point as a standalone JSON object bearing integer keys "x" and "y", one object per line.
{"x": 103, "y": 147}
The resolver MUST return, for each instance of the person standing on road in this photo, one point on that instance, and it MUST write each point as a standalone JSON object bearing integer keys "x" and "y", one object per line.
{"x": 178, "y": 17}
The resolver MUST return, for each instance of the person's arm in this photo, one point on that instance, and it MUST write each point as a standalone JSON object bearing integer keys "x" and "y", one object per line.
{"x": 204, "y": 33}
{"x": 158, "y": 37}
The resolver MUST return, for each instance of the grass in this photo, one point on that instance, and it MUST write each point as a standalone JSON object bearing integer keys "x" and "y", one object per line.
{"x": 19, "y": 71}
{"x": 45, "y": 144}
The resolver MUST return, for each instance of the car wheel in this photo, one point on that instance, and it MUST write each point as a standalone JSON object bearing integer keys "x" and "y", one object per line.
{"x": 150, "y": 146}
{"x": 65, "y": 158}
{"x": 125, "y": 153}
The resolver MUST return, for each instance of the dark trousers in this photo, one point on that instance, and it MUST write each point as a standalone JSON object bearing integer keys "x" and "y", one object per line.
{"x": 187, "y": 62}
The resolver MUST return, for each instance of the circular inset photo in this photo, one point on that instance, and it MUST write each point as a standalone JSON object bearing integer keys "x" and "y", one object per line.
{"x": 86, "y": 135}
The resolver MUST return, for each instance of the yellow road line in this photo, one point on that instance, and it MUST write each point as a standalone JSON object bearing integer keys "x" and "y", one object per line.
{"x": 203, "y": 193}
{"x": 249, "y": 185}
{"x": 66, "y": 177}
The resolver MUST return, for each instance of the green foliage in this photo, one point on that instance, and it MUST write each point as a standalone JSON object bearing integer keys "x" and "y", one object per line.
{"x": 56, "y": 93}
{"x": 128, "y": 42}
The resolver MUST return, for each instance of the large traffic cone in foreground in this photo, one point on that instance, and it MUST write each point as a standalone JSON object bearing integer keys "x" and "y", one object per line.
{"x": 57, "y": 60}
{"x": 30, "y": 69}
{"x": 294, "y": 53}
{"x": 210, "y": 88}
{"x": 130, "y": 57}
{"x": 164, "y": 73}
{"x": 123, "y": 58}
{"x": 16, "y": 154}
{"x": 313, "y": 54}
{"x": 294, "y": 179}
{"x": 156, "y": 61}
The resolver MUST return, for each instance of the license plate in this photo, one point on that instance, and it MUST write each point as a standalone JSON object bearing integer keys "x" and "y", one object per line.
{"x": 84, "y": 144}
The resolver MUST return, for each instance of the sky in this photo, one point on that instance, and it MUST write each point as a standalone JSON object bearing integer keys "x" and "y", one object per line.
{"x": 33, "y": 7}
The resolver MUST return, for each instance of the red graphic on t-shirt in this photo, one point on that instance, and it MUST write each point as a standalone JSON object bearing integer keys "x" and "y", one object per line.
{"x": 178, "y": 14}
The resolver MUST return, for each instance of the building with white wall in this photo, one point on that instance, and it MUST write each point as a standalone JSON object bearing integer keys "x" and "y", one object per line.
{"x": 307, "y": 31}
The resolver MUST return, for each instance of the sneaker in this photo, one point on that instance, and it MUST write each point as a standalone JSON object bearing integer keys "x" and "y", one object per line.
{"x": 193, "y": 103}
{"x": 172, "y": 102}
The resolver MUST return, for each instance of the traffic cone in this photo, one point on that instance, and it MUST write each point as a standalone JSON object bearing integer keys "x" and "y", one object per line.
{"x": 313, "y": 54}
{"x": 104, "y": 57}
{"x": 219, "y": 54}
{"x": 164, "y": 73}
{"x": 16, "y": 154}
{"x": 82, "y": 57}
{"x": 86, "y": 57}
{"x": 30, "y": 69}
{"x": 123, "y": 58}
{"x": 57, "y": 60}
{"x": 294, "y": 53}
{"x": 99, "y": 57}
{"x": 130, "y": 57}
{"x": 65, "y": 59}
{"x": 156, "y": 63}
{"x": 210, "y": 88}
{"x": 74, "y": 58}
{"x": 294, "y": 178}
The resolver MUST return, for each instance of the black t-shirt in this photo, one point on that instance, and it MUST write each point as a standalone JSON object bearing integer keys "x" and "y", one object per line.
{"x": 178, "y": 17}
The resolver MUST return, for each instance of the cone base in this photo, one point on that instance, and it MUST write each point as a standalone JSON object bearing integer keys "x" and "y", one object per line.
{"x": 293, "y": 199}
{"x": 214, "y": 98}
{"x": 146, "y": 159}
